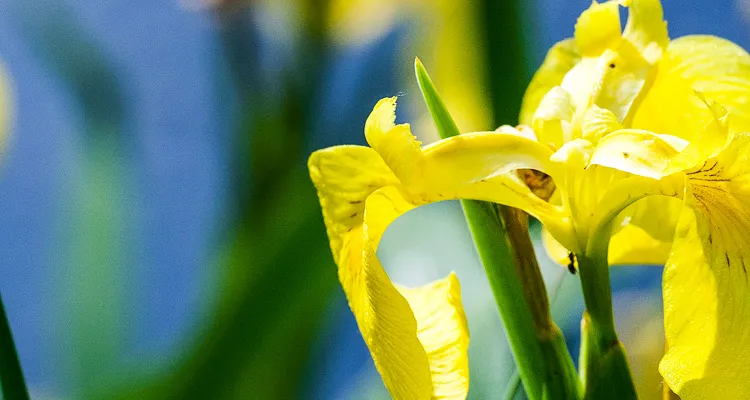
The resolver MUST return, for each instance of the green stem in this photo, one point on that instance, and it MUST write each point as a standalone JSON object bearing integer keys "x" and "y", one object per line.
{"x": 11, "y": 376}
{"x": 501, "y": 236}
{"x": 494, "y": 250}
{"x": 597, "y": 295}
{"x": 603, "y": 365}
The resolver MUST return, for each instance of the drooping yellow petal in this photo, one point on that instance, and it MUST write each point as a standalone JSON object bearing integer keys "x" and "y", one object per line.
{"x": 359, "y": 201}
{"x": 384, "y": 317}
{"x": 714, "y": 67}
{"x": 444, "y": 333}
{"x": 706, "y": 287}
{"x": 440, "y": 321}
{"x": 598, "y": 28}
{"x": 559, "y": 60}
{"x": 346, "y": 177}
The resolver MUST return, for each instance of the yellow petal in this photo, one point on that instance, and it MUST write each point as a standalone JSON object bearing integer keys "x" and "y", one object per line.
{"x": 477, "y": 165}
{"x": 444, "y": 333}
{"x": 614, "y": 81}
{"x": 344, "y": 176}
{"x": 555, "y": 251}
{"x": 644, "y": 231}
{"x": 597, "y": 123}
{"x": 552, "y": 119}
{"x": 596, "y": 195}
{"x": 646, "y": 28}
{"x": 357, "y": 210}
{"x": 395, "y": 143}
{"x": 715, "y": 67}
{"x": 635, "y": 151}
{"x": 559, "y": 60}
{"x": 573, "y": 158}
{"x": 645, "y": 153}
{"x": 598, "y": 28}
{"x": 384, "y": 317}
{"x": 706, "y": 292}
{"x": 711, "y": 141}
{"x": 631, "y": 245}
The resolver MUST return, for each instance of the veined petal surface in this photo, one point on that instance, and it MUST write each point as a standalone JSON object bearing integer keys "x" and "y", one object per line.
{"x": 706, "y": 287}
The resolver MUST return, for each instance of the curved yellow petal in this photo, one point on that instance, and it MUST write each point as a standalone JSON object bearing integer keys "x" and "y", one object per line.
{"x": 444, "y": 333}
{"x": 388, "y": 327}
{"x": 384, "y": 317}
{"x": 714, "y": 138}
{"x": 597, "y": 123}
{"x": 395, "y": 143}
{"x": 560, "y": 59}
{"x": 714, "y": 67}
{"x": 646, "y": 28}
{"x": 635, "y": 151}
{"x": 552, "y": 119}
{"x": 598, "y": 28}
{"x": 644, "y": 231}
{"x": 645, "y": 153}
{"x": 356, "y": 212}
{"x": 706, "y": 286}
{"x": 614, "y": 80}
{"x": 633, "y": 245}
{"x": 344, "y": 176}
{"x": 419, "y": 346}
{"x": 477, "y": 165}
{"x": 468, "y": 166}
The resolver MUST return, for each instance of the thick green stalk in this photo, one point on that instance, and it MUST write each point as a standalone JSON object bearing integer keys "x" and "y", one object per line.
{"x": 604, "y": 369}
{"x": 493, "y": 246}
{"x": 502, "y": 239}
{"x": 11, "y": 376}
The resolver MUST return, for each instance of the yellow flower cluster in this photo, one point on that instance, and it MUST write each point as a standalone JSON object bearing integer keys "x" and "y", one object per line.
{"x": 644, "y": 138}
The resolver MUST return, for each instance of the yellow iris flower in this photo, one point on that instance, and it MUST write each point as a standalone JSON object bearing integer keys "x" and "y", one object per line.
{"x": 642, "y": 139}
{"x": 641, "y": 104}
